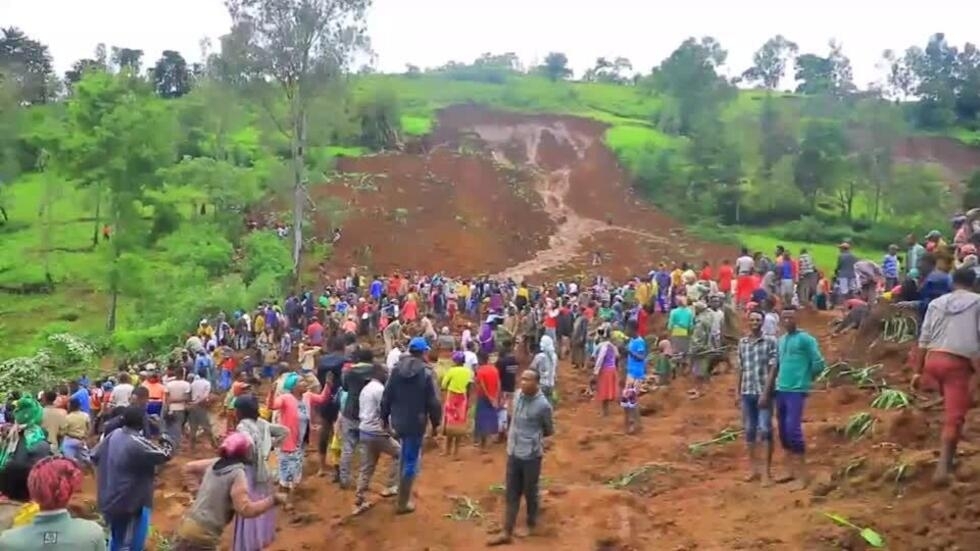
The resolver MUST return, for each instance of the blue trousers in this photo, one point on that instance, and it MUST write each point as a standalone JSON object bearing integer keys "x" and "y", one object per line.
{"x": 411, "y": 455}
{"x": 789, "y": 411}
{"x": 129, "y": 533}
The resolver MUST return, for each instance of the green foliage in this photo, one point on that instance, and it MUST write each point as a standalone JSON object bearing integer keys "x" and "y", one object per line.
{"x": 265, "y": 253}
{"x": 971, "y": 198}
{"x": 380, "y": 119}
{"x": 555, "y": 67}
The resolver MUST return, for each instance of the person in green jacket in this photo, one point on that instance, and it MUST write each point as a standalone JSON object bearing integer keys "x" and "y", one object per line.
{"x": 51, "y": 484}
{"x": 799, "y": 363}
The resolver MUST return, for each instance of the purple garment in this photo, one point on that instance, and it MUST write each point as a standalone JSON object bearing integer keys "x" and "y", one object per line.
{"x": 255, "y": 534}
{"x": 496, "y": 302}
{"x": 486, "y": 338}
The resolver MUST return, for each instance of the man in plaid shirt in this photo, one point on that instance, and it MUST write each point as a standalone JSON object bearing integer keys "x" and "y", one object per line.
{"x": 757, "y": 355}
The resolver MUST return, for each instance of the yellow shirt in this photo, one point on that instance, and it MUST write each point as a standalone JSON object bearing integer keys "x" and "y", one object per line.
{"x": 457, "y": 379}
{"x": 523, "y": 292}
{"x": 643, "y": 293}
{"x": 259, "y": 324}
{"x": 675, "y": 277}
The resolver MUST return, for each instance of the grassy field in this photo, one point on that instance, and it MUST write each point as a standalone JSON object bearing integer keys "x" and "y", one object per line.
{"x": 77, "y": 269}
{"x": 824, "y": 254}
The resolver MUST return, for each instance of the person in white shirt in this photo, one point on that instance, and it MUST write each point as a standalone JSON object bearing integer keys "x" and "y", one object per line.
{"x": 176, "y": 393}
{"x": 197, "y": 411}
{"x": 469, "y": 357}
{"x": 392, "y": 359}
{"x": 375, "y": 441}
{"x": 121, "y": 393}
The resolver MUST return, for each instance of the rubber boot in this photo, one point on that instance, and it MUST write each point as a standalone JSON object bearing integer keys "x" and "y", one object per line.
{"x": 405, "y": 504}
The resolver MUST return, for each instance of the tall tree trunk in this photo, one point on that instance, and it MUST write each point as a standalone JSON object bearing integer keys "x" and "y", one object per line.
{"x": 111, "y": 322}
{"x": 98, "y": 214}
{"x": 299, "y": 185}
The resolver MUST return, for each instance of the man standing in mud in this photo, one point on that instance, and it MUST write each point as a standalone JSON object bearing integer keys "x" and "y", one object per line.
{"x": 798, "y": 365}
{"x": 532, "y": 423}
{"x": 757, "y": 358}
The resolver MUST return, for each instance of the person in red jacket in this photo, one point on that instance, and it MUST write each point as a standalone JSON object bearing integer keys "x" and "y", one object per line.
{"x": 726, "y": 274}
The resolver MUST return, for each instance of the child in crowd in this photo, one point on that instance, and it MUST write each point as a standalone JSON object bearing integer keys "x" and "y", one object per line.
{"x": 628, "y": 401}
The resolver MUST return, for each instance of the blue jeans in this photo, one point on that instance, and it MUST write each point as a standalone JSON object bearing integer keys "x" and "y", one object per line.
{"x": 411, "y": 455}
{"x": 756, "y": 421}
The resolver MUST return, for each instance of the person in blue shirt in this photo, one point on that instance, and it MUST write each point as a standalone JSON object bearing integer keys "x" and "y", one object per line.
{"x": 935, "y": 283}
{"x": 80, "y": 393}
{"x": 889, "y": 267}
{"x": 636, "y": 359}
{"x": 204, "y": 366}
{"x": 799, "y": 363}
{"x": 377, "y": 288}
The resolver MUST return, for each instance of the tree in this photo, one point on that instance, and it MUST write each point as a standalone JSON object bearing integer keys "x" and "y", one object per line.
{"x": 78, "y": 70}
{"x": 689, "y": 76}
{"x": 555, "y": 67}
{"x": 127, "y": 59}
{"x": 769, "y": 62}
{"x": 27, "y": 63}
{"x": 831, "y": 75}
{"x": 775, "y": 139}
{"x": 170, "y": 76}
{"x": 301, "y": 45}
{"x": 900, "y": 82}
{"x": 876, "y": 139}
{"x": 613, "y": 72}
{"x": 821, "y": 158}
{"x": 379, "y": 119}
{"x": 119, "y": 135}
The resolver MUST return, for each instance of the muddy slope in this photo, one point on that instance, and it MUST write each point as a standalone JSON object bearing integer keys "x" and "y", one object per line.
{"x": 957, "y": 160}
{"x": 501, "y": 193}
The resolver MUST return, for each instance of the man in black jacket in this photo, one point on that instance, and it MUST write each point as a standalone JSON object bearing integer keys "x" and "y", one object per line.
{"x": 353, "y": 381}
{"x": 330, "y": 369}
{"x": 410, "y": 399}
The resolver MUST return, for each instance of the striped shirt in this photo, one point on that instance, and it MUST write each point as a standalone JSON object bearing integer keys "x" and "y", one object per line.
{"x": 756, "y": 356}
{"x": 806, "y": 264}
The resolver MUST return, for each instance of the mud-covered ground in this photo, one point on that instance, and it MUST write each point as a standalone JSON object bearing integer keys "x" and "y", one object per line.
{"x": 603, "y": 489}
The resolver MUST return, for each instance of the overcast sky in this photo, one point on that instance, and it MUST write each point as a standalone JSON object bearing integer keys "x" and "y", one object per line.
{"x": 430, "y": 32}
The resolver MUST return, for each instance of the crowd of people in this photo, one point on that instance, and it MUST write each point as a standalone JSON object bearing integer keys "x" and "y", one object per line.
{"x": 372, "y": 367}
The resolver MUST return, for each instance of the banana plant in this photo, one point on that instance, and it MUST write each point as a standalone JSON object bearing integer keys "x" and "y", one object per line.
{"x": 890, "y": 398}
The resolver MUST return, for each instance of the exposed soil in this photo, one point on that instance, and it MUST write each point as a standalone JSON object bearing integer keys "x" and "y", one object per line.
{"x": 957, "y": 160}
{"x": 513, "y": 195}
{"x": 603, "y": 489}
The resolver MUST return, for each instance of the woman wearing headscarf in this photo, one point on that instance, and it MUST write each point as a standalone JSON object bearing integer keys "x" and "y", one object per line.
{"x": 51, "y": 484}
{"x": 294, "y": 414}
{"x": 545, "y": 362}
{"x": 485, "y": 336}
{"x": 604, "y": 373}
{"x": 255, "y": 533}
{"x": 24, "y": 443}
{"x": 222, "y": 495}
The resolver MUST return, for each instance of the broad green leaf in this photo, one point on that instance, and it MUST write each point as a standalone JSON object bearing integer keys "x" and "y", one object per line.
{"x": 873, "y": 538}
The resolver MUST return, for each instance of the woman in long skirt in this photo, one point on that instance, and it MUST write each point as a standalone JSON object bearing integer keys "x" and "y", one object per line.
{"x": 254, "y": 534}
{"x": 456, "y": 382}
{"x": 487, "y": 398}
{"x": 604, "y": 372}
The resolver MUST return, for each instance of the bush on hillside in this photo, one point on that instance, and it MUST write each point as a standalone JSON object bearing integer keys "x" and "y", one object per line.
{"x": 63, "y": 356}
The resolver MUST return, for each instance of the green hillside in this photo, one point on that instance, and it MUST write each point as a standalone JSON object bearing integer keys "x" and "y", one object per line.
{"x": 172, "y": 160}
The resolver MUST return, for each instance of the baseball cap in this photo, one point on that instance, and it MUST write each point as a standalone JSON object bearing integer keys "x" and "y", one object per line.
{"x": 418, "y": 344}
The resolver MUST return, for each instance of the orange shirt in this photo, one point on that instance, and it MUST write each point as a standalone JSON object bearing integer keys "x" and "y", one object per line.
{"x": 156, "y": 390}
{"x": 488, "y": 377}
{"x": 725, "y": 276}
